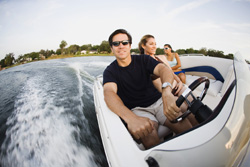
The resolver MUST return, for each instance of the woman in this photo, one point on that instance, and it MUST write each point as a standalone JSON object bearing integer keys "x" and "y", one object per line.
{"x": 147, "y": 45}
{"x": 175, "y": 62}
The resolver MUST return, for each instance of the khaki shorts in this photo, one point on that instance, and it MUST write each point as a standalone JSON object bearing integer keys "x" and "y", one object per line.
{"x": 154, "y": 112}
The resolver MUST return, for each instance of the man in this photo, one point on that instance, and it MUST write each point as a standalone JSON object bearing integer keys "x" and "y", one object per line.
{"x": 129, "y": 91}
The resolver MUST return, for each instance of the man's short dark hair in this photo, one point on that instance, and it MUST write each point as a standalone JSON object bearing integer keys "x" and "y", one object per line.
{"x": 119, "y": 31}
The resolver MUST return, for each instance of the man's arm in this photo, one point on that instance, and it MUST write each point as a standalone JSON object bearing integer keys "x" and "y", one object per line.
{"x": 169, "y": 103}
{"x": 139, "y": 127}
{"x": 179, "y": 85}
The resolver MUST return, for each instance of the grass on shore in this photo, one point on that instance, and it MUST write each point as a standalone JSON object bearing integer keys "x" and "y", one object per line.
{"x": 61, "y": 57}
{"x": 71, "y": 55}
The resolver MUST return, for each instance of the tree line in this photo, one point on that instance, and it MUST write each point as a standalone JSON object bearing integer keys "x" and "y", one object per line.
{"x": 95, "y": 49}
{"x": 204, "y": 51}
{"x": 62, "y": 50}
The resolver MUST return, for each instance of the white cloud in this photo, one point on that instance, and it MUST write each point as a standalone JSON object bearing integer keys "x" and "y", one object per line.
{"x": 39, "y": 24}
{"x": 239, "y": 27}
{"x": 242, "y": 0}
{"x": 185, "y": 8}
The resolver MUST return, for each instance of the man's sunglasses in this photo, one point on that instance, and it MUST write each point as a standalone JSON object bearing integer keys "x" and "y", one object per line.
{"x": 117, "y": 43}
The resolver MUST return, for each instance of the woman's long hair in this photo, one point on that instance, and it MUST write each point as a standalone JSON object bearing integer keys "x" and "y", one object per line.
{"x": 143, "y": 42}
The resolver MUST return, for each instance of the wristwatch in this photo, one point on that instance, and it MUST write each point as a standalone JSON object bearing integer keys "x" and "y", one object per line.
{"x": 166, "y": 84}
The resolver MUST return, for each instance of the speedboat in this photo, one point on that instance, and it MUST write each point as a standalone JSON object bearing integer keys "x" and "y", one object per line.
{"x": 220, "y": 139}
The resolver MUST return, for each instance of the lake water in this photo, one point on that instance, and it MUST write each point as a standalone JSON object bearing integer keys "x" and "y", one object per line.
{"x": 47, "y": 114}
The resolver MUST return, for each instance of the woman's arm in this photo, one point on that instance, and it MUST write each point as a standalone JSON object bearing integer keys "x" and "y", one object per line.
{"x": 162, "y": 59}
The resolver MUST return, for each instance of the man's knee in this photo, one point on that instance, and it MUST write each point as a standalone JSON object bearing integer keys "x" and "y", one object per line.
{"x": 152, "y": 139}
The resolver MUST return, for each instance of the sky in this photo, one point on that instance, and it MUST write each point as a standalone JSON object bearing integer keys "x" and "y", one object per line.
{"x": 31, "y": 25}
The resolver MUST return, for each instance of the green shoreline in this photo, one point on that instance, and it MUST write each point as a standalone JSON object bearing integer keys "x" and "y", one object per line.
{"x": 59, "y": 57}
{"x": 70, "y": 55}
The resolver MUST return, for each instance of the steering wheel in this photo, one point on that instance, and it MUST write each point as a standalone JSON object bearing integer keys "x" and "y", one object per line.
{"x": 188, "y": 92}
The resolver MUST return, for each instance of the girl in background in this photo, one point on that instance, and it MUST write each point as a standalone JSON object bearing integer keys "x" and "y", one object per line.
{"x": 147, "y": 45}
{"x": 175, "y": 62}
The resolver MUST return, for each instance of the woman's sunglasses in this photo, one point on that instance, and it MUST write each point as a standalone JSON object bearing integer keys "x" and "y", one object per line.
{"x": 166, "y": 48}
{"x": 117, "y": 43}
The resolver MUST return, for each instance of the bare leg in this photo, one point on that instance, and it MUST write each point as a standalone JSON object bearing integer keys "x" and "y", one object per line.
{"x": 192, "y": 119}
{"x": 182, "y": 76}
{"x": 184, "y": 107}
{"x": 152, "y": 139}
{"x": 179, "y": 127}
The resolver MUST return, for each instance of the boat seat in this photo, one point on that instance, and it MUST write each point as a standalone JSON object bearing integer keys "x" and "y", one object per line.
{"x": 214, "y": 87}
{"x": 228, "y": 80}
{"x": 215, "y": 92}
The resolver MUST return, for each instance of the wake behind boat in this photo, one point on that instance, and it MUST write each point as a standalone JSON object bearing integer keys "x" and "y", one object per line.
{"x": 222, "y": 139}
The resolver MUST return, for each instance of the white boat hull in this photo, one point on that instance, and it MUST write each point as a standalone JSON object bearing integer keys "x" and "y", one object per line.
{"x": 223, "y": 141}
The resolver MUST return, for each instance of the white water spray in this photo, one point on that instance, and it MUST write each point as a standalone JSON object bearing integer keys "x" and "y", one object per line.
{"x": 39, "y": 133}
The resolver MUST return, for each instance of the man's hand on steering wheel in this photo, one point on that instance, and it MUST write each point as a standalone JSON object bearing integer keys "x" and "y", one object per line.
{"x": 188, "y": 92}
{"x": 171, "y": 110}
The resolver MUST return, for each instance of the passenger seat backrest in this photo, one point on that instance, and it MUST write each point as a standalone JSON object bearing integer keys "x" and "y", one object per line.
{"x": 228, "y": 80}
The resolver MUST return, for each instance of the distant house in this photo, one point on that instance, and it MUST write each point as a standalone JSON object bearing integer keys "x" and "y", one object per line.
{"x": 88, "y": 52}
{"x": 42, "y": 57}
{"x": 24, "y": 60}
{"x": 28, "y": 59}
{"x": 53, "y": 55}
{"x": 83, "y": 52}
{"x": 92, "y": 51}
